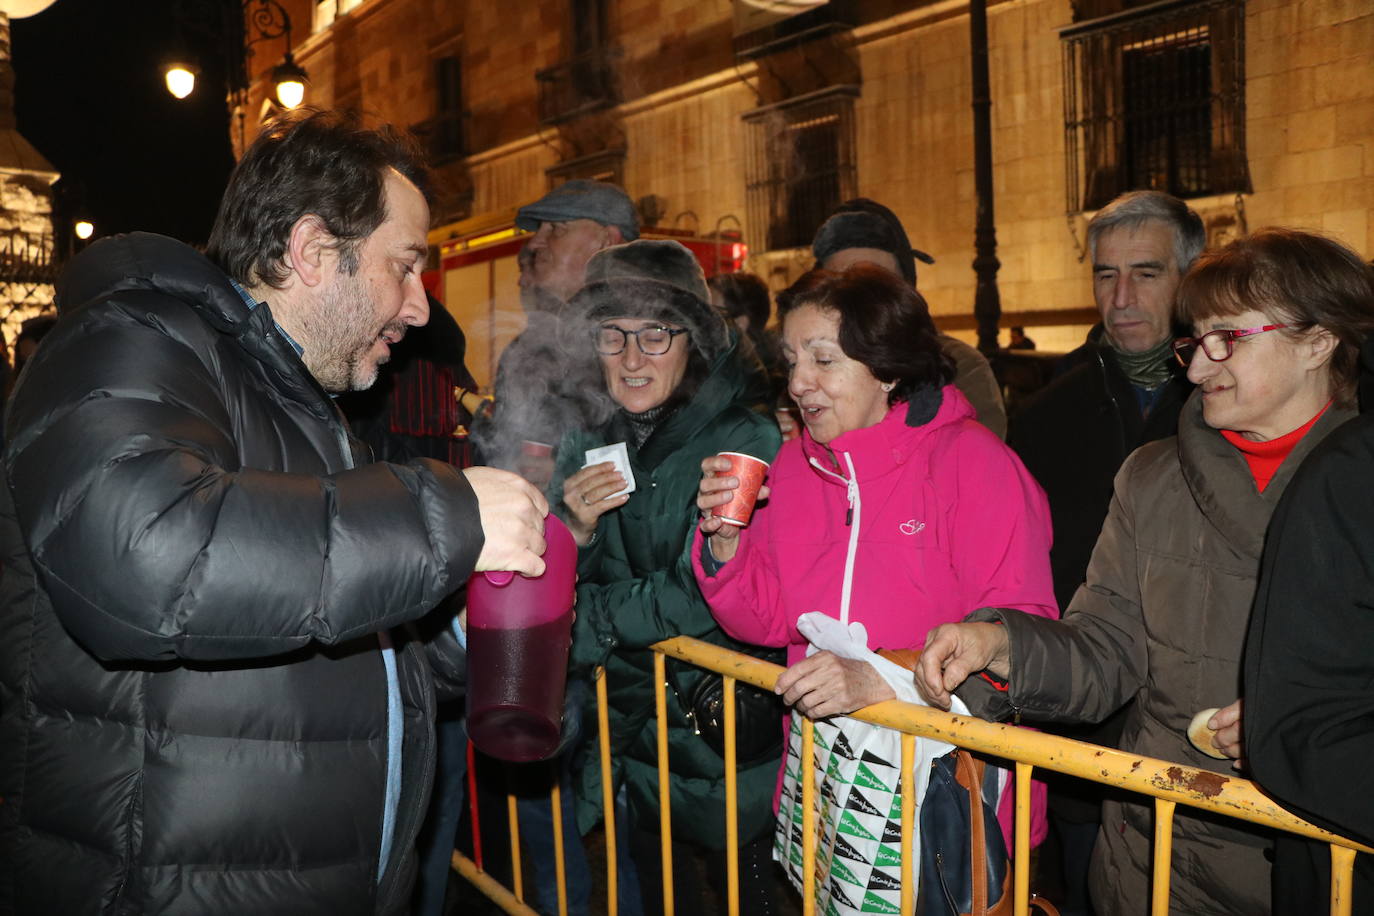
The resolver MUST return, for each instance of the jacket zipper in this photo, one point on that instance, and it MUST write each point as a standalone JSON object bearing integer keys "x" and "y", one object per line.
{"x": 852, "y": 521}
{"x": 394, "y": 855}
{"x": 1124, "y": 448}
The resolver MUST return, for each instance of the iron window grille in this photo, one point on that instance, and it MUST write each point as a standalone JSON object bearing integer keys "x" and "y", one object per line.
{"x": 1154, "y": 98}
{"x": 799, "y": 166}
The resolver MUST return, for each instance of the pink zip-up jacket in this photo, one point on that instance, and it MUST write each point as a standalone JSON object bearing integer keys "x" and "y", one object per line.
{"x": 922, "y": 524}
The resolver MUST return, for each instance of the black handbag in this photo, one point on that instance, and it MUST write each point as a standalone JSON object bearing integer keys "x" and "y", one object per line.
{"x": 758, "y": 717}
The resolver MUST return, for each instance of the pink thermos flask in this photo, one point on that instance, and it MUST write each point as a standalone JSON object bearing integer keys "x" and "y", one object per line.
{"x": 519, "y": 631}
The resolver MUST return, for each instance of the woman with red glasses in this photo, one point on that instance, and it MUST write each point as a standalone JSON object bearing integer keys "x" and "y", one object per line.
{"x": 1162, "y": 616}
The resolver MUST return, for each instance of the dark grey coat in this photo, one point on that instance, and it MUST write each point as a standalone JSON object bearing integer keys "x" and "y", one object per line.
{"x": 1161, "y": 618}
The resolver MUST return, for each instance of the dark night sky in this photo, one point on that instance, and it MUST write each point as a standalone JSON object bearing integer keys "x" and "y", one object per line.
{"x": 89, "y": 95}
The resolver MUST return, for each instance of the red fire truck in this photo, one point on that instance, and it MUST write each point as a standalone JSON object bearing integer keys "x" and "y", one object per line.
{"x": 476, "y": 278}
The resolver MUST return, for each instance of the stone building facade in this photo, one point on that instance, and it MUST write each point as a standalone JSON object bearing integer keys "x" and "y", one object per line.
{"x": 27, "y": 267}
{"x": 1261, "y": 111}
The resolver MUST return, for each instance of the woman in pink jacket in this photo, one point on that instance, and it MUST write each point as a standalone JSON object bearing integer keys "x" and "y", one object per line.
{"x": 894, "y": 503}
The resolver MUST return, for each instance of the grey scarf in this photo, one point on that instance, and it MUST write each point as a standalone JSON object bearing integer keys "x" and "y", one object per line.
{"x": 1150, "y": 369}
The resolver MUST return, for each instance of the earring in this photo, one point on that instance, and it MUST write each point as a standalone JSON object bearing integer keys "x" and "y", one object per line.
{"x": 887, "y": 386}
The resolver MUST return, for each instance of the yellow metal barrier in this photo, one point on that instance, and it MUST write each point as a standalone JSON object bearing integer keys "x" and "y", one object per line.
{"x": 731, "y": 801}
{"x": 607, "y": 792}
{"x": 665, "y": 814}
{"x": 1170, "y": 784}
{"x": 1021, "y": 840}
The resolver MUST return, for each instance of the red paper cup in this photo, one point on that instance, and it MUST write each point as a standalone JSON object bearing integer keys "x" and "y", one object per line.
{"x": 534, "y": 449}
{"x": 750, "y": 471}
{"x": 535, "y": 463}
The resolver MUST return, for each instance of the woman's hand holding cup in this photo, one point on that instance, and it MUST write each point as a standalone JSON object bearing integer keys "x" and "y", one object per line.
{"x": 587, "y": 494}
{"x": 713, "y": 492}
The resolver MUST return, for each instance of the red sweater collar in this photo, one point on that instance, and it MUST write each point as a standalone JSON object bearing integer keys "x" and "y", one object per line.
{"x": 1265, "y": 458}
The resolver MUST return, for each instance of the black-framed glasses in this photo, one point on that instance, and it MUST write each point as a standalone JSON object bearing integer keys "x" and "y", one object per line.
{"x": 1217, "y": 345}
{"x": 611, "y": 339}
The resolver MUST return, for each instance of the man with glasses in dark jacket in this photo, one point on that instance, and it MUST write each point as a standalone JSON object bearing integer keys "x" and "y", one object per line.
{"x": 216, "y": 686}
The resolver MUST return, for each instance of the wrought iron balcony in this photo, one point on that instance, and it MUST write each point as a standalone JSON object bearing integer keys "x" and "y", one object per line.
{"x": 760, "y": 31}
{"x": 26, "y": 258}
{"x": 576, "y": 87}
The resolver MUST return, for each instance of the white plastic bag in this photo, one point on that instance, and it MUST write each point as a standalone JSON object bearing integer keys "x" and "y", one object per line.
{"x": 858, "y": 790}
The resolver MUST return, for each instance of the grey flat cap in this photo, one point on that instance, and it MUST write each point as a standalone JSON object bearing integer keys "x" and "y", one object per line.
{"x": 582, "y": 198}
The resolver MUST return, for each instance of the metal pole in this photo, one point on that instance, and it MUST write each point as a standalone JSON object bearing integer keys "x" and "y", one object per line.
{"x": 987, "y": 302}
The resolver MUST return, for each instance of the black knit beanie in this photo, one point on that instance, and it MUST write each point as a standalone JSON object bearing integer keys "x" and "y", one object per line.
{"x": 864, "y": 223}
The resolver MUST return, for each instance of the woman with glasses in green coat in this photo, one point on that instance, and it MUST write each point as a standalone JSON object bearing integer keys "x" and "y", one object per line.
{"x": 670, "y": 367}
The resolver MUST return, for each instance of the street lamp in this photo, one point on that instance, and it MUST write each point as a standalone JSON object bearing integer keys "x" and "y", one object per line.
{"x": 241, "y": 24}
{"x": 289, "y": 80}
{"x": 84, "y": 229}
{"x": 181, "y": 79}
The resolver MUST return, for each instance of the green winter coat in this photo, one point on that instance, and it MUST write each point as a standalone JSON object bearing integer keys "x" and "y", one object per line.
{"x": 636, "y": 587}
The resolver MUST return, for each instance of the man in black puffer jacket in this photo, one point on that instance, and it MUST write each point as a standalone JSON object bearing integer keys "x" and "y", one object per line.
{"x": 212, "y": 697}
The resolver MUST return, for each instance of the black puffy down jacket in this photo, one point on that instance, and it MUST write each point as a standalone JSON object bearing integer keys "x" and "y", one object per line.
{"x": 197, "y": 560}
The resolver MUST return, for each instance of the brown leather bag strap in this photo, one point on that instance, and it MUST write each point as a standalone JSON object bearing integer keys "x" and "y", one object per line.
{"x": 906, "y": 658}
{"x": 969, "y": 772}
{"x": 978, "y": 848}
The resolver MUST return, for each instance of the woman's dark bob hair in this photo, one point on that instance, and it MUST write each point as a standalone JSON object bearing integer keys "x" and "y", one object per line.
{"x": 884, "y": 324}
{"x": 1300, "y": 279}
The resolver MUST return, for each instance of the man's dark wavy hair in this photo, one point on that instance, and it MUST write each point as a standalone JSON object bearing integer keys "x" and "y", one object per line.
{"x": 325, "y": 163}
{"x": 884, "y": 324}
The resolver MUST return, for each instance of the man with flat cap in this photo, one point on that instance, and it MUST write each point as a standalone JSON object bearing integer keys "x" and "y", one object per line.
{"x": 540, "y": 393}
{"x": 570, "y": 224}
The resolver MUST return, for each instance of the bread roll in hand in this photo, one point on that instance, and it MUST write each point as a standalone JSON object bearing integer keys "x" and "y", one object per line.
{"x": 1201, "y": 736}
